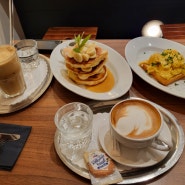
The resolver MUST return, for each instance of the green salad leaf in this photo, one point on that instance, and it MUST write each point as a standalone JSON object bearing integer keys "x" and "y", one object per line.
{"x": 80, "y": 42}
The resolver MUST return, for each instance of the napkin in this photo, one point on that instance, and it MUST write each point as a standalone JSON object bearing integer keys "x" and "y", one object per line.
{"x": 11, "y": 150}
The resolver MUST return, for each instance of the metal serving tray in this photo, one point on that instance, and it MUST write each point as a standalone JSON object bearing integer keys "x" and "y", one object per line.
{"x": 140, "y": 174}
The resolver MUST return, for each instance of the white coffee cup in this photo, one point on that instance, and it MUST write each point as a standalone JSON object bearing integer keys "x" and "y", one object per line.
{"x": 137, "y": 123}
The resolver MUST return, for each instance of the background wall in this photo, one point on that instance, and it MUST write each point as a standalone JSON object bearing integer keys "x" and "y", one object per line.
{"x": 114, "y": 18}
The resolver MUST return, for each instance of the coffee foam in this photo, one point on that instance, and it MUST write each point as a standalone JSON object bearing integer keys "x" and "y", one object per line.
{"x": 9, "y": 62}
{"x": 6, "y": 52}
{"x": 136, "y": 119}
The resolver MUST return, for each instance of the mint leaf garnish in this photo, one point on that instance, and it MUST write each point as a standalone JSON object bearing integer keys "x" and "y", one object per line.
{"x": 80, "y": 42}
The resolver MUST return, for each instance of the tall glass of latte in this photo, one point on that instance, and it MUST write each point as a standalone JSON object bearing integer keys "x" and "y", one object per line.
{"x": 11, "y": 76}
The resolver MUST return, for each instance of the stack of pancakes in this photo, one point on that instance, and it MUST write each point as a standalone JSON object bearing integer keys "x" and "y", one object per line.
{"x": 86, "y": 67}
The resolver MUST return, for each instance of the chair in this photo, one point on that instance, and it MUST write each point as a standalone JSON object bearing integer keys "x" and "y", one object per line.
{"x": 64, "y": 33}
{"x": 173, "y": 31}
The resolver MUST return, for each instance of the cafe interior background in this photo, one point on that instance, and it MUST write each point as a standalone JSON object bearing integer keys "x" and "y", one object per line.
{"x": 115, "y": 19}
{"x": 118, "y": 19}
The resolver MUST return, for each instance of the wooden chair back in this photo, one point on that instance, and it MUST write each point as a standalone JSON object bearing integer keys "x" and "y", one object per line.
{"x": 65, "y": 33}
{"x": 173, "y": 31}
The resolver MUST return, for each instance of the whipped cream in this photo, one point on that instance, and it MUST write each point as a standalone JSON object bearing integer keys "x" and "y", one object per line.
{"x": 86, "y": 53}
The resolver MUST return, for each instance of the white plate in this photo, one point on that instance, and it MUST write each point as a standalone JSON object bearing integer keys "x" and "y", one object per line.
{"x": 141, "y": 48}
{"x": 116, "y": 64}
{"x": 135, "y": 158}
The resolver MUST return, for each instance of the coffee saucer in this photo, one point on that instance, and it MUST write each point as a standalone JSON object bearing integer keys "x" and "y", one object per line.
{"x": 135, "y": 158}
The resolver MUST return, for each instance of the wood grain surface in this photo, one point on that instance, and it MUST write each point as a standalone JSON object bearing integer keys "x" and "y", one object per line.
{"x": 39, "y": 163}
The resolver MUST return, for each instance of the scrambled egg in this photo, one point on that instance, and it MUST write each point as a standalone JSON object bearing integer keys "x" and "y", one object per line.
{"x": 167, "y": 64}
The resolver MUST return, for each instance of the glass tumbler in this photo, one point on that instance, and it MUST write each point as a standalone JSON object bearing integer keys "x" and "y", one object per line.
{"x": 11, "y": 76}
{"x": 74, "y": 127}
{"x": 27, "y": 51}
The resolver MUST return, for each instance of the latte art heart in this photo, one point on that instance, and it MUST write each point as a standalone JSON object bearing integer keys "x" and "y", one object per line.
{"x": 135, "y": 125}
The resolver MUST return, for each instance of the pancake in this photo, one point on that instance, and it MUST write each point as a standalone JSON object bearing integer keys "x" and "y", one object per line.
{"x": 87, "y": 65}
{"x": 92, "y": 80}
{"x": 100, "y": 55}
{"x": 83, "y": 75}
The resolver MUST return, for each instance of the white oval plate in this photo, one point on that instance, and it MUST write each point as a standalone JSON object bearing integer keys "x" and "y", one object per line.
{"x": 116, "y": 64}
{"x": 141, "y": 48}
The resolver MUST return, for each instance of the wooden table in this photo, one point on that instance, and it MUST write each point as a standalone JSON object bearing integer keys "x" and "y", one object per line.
{"x": 39, "y": 164}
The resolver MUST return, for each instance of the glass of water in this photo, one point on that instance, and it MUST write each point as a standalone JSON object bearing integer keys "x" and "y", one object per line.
{"x": 27, "y": 51}
{"x": 74, "y": 126}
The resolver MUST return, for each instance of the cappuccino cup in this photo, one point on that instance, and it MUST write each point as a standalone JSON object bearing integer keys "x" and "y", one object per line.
{"x": 137, "y": 123}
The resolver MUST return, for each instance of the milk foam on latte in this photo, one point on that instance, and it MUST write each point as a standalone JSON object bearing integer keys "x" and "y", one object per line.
{"x": 136, "y": 119}
{"x": 129, "y": 125}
